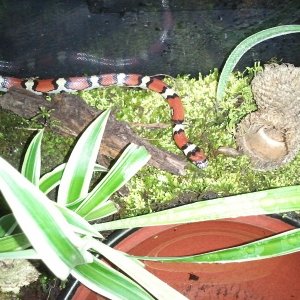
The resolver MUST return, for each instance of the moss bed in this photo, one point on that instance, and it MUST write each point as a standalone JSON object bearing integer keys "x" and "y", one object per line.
{"x": 208, "y": 124}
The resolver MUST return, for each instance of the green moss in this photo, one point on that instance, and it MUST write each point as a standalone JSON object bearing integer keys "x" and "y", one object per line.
{"x": 15, "y": 135}
{"x": 208, "y": 124}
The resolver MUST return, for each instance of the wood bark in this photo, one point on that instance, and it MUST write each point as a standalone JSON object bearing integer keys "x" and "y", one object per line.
{"x": 72, "y": 115}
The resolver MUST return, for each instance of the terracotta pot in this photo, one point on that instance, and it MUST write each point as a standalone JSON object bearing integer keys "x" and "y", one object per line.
{"x": 276, "y": 278}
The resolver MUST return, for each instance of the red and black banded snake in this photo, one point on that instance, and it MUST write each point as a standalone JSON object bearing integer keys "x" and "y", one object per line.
{"x": 71, "y": 84}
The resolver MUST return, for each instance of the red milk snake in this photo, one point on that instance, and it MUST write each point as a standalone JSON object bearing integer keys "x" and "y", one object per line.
{"x": 71, "y": 84}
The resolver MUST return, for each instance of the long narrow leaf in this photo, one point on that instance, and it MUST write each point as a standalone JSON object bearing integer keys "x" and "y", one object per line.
{"x": 130, "y": 162}
{"x": 277, "y": 245}
{"x": 31, "y": 166}
{"x": 45, "y": 227}
{"x": 14, "y": 242}
{"x": 78, "y": 172}
{"x": 108, "y": 282}
{"x": 79, "y": 224}
{"x": 7, "y": 224}
{"x": 22, "y": 254}
{"x": 263, "y": 202}
{"x": 244, "y": 46}
{"x": 106, "y": 209}
{"x": 159, "y": 289}
{"x": 51, "y": 180}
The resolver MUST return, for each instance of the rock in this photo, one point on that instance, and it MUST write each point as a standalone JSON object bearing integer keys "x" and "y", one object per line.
{"x": 16, "y": 273}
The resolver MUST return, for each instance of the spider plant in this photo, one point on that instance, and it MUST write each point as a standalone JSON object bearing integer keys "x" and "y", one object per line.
{"x": 58, "y": 232}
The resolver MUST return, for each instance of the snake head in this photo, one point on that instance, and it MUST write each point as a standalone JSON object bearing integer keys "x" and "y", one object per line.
{"x": 198, "y": 157}
{"x": 201, "y": 164}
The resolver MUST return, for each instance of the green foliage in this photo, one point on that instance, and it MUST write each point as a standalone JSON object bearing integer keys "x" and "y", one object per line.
{"x": 43, "y": 114}
{"x": 245, "y": 45}
{"x": 280, "y": 244}
{"x": 59, "y": 236}
{"x": 31, "y": 168}
{"x": 77, "y": 175}
{"x": 262, "y": 202}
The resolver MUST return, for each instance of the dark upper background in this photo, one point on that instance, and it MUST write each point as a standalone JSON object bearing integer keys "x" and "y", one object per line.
{"x": 74, "y": 37}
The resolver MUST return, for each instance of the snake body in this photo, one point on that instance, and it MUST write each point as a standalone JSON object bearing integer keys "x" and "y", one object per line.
{"x": 71, "y": 84}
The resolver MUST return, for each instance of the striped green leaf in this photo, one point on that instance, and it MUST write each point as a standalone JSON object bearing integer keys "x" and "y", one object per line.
{"x": 43, "y": 224}
{"x": 276, "y": 245}
{"x": 21, "y": 254}
{"x": 159, "y": 289}
{"x": 106, "y": 209}
{"x": 108, "y": 282}
{"x": 244, "y": 46}
{"x": 14, "y": 242}
{"x": 79, "y": 224}
{"x": 31, "y": 166}
{"x": 78, "y": 172}
{"x": 7, "y": 225}
{"x": 51, "y": 180}
{"x": 130, "y": 162}
{"x": 264, "y": 202}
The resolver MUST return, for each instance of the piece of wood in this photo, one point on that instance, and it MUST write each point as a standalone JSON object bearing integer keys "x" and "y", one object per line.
{"x": 72, "y": 115}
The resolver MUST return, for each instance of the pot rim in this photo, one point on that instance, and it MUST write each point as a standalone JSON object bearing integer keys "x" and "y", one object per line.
{"x": 116, "y": 237}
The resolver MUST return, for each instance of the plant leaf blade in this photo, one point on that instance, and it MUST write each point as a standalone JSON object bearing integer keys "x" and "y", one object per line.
{"x": 45, "y": 227}
{"x": 274, "y": 246}
{"x": 31, "y": 166}
{"x": 244, "y": 46}
{"x": 108, "y": 282}
{"x": 131, "y": 160}
{"x": 14, "y": 242}
{"x": 263, "y": 202}
{"x": 79, "y": 168}
{"x": 51, "y": 180}
{"x": 7, "y": 224}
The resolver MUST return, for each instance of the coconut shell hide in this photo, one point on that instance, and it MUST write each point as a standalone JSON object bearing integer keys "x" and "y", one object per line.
{"x": 278, "y": 88}
{"x": 270, "y": 136}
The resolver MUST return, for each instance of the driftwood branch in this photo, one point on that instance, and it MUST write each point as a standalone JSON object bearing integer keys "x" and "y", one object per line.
{"x": 73, "y": 115}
